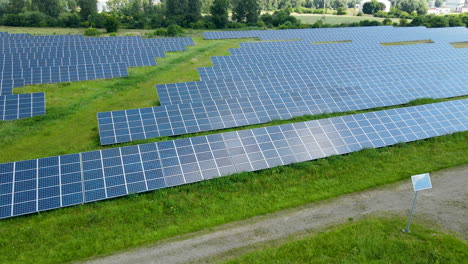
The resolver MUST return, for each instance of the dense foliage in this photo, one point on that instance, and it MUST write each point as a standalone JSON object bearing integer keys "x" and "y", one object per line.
{"x": 372, "y": 7}
{"x": 204, "y": 14}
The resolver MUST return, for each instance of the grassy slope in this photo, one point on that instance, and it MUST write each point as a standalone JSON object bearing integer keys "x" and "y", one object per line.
{"x": 367, "y": 241}
{"x": 104, "y": 227}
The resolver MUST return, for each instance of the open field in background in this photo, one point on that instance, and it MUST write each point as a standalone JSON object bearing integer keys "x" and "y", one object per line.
{"x": 333, "y": 19}
{"x": 367, "y": 241}
{"x": 70, "y": 126}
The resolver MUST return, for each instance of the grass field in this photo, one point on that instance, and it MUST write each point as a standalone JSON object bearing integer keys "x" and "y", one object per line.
{"x": 334, "y": 20}
{"x": 460, "y": 44}
{"x": 415, "y": 42}
{"x": 102, "y": 228}
{"x": 377, "y": 240}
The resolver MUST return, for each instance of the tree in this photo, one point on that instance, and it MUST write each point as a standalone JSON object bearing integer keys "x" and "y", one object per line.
{"x": 219, "y": 13}
{"x": 183, "y": 12}
{"x": 410, "y": 6}
{"x": 372, "y": 7}
{"x": 87, "y": 7}
{"x": 71, "y": 6}
{"x": 17, "y": 6}
{"x": 245, "y": 11}
{"x": 438, "y": 3}
{"x": 48, "y": 7}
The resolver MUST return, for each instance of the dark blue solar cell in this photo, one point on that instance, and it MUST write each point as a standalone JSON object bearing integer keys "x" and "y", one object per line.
{"x": 24, "y": 208}
{"x": 136, "y": 187}
{"x": 6, "y": 167}
{"x": 116, "y": 191}
{"x": 174, "y": 181}
{"x": 25, "y": 165}
{"x": 48, "y": 204}
{"x": 49, "y": 192}
{"x": 5, "y": 211}
{"x": 95, "y": 195}
{"x": 130, "y": 168}
{"x": 72, "y": 158}
{"x": 93, "y": 155}
{"x": 47, "y": 162}
{"x": 6, "y": 199}
{"x": 72, "y": 199}
{"x": 49, "y": 181}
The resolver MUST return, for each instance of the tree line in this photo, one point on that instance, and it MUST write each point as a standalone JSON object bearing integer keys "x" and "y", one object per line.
{"x": 198, "y": 14}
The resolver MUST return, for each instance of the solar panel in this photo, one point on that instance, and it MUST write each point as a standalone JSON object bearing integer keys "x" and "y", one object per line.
{"x": 19, "y": 106}
{"x": 43, "y": 184}
{"x": 290, "y": 81}
{"x": 169, "y": 120}
{"x": 26, "y": 59}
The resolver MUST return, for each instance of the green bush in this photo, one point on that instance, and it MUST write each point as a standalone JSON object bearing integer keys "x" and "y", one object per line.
{"x": 111, "y": 24}
{"x": 113, "y": 34}
{"x": 261, "y": 24}
{"x": 92, "y": 32}
{"x": 387, "y": 21}
{"x": 174, "y": 30}
{"x": 236, "y": 25}
{"x": 34, "y": 19}
{"x": 403, "y": 22}
{"x": 160, "y": 32}
{"x": 69, "y": 20}
{"x": 381, "y": 14}
{"x": 341, "y": 11}
{"x": 359, "y": 13}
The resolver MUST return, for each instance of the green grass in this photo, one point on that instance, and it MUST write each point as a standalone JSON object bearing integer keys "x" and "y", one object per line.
{"x": 331, "y": 42}
{"x": 412, "y": 42}
{"x": 334, "y": 20}
{"x": 377, "y": 240}
{"x": 104, "y": 227}
{"x": 460, "y": 44}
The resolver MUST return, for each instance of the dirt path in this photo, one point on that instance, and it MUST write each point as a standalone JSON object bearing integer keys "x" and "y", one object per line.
{"x": 446, "y": 204}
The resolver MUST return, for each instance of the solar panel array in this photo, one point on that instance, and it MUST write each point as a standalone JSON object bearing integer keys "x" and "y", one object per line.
{"x": 26, "y": 59}
{"x": 263, "y": 81}
{"x": 48, "y": 183}
{"x": 258, "y": 83}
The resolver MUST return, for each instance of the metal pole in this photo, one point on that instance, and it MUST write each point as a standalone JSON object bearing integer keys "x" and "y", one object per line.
{"x": 407, "y": 230}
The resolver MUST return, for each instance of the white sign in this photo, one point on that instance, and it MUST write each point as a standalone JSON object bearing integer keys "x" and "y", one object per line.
{"x": 421, "y": 182}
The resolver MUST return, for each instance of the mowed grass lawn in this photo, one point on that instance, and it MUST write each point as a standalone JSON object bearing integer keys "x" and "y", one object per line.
{"x": 102, "y": 228}
{"x": 375, "y": 240}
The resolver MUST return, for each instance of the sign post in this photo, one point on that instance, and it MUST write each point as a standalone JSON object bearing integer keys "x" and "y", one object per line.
{"x": 420, "y": 182}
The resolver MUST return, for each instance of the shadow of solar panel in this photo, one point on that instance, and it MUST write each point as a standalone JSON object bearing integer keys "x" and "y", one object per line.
{"x": 43, "y": 184}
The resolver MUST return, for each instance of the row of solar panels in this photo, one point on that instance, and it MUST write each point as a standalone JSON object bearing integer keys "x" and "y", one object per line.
{"x": 358, "y": 34}
{"x": 239, "y": 84}
{"x": 277, "y": 67}
{"x": 257, "y": 87}
{"x": 28, "y": 49}
{"x": 131, "y": 60}
{"x": 177, "y": 119}
{"x": 39, "y": 60}
{"x": 48, "y": 183}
